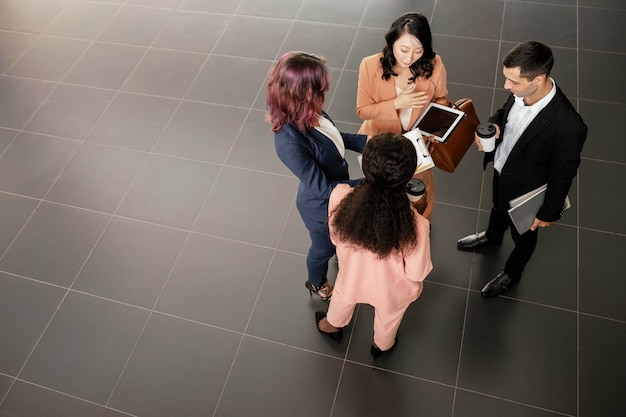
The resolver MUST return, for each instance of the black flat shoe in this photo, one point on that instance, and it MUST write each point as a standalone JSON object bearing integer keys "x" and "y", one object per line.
{"x": 499, "y": 285}
{"x": 336, "y": 336}
{"x": 377, "y": 353}
{"x": 324, "y": 291}
{"x": 475, "y": 241}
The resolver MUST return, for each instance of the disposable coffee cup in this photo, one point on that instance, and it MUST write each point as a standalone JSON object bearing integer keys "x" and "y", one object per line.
{"x": 487, "y": 134}
{"x": 415, "y": 189}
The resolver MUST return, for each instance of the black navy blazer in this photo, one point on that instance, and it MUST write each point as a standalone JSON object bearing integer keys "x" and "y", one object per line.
{"x": 548, "y": 151}
{"x": 315, "y": 160}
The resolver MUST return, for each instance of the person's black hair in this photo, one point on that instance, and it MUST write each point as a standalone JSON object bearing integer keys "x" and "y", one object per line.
{"x": 533, "y": 58}
{"x": 417, "y": 25}
{"x": 377, "y": 215}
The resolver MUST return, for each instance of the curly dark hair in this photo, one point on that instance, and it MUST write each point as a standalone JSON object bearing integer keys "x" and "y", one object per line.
{"x": 377, "y": 215}
{"x": 417, "y": 25}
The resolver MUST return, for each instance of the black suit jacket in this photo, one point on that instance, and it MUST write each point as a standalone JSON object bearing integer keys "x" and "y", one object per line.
{"x": 548, "y": 151}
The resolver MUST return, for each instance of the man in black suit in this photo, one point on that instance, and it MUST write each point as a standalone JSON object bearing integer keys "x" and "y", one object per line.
{"x": 539, "y": 140}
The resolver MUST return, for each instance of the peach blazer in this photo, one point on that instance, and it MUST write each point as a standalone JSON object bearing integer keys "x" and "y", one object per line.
{"x": 387, "y": 284}
{"x": 375, "y": 96}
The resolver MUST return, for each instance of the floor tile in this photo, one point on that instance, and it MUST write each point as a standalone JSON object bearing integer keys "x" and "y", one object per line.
{"x": 29, "y": 400}
{"x": 133, "y": 121}
{"x": 47, "y": 238}
{"x": 252, "y": 37}
{"x": 237, "y": 87}
{"x": 366, "y": 391}
{"x": 31, "y": 16}
{"x": 164, "y": 73}
{"x": 105, "y": 65}
{"x": 97, "y": 177}
{"x": 470, "y": 404}
{"x": 5, "y": 384}
{"x": 536, "y": 21}
{"x": 85, "y": 347}
{"x": 608, "y": 87}
{"x": 15, "y": 211}
{"x": 520, "y": 352}
{"x": 200, "y": 131}
{"x": 269, "y": 8}
{"x": 25, "y": 309}
{"x": 342, "y": 103}
{"x": 381, "y": 13}
{"x": 368, "y": 41}
{"x": 214, "y": 6}
{"x": 602, "y": 29}
{"x": 191, "y": 31}
{"x": 254, "y": 146}
{"x": 240, "y": 199}
{"x": 170, "y": 349}
{"x": 347, "y": 12}
{"x": 83, "y": 20}
{"x": 607, "y": 216}
{"x": 204, "y": 287}
{"x": 70, "y": 111}
{"x": 478, "y": 19}
{"x": 602, "y": 265}
{"x": 265, "y": 386}
{"x": 6, "y": 138}
{"x": 456, "y": 52}
{"x": 294, "y": 237}
{"x": 49, "y": 154}
{"x": 167, "y": 4}
{"x": 134, "y": 25}
{"x": 329, "y": 41}
{"x": 603, "y": 120}
{"x": 25, "y": 96}
{"x": 169, "y": 191}
{"x": 602, "y": 364}
{"x": 131, "y": 262}
{"x": 449, "y": 224}
{"x": 12, "y": 46}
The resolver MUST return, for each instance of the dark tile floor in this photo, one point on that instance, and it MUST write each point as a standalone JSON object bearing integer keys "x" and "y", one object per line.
{"x": 152, "y": 260}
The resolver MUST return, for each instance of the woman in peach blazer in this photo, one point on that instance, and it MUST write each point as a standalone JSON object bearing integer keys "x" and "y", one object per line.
{"x": 383, "y": 243}
{"x": 396, "y": 84}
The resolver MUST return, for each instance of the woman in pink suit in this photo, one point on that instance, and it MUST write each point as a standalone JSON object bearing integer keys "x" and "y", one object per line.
{"x": 383, "y": 245}
{"x": 396, "y": 84}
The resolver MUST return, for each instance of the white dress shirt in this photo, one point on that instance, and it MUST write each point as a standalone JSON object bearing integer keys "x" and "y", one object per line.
{"x": 519, "y": 118}
{"x": 327, "y": 128}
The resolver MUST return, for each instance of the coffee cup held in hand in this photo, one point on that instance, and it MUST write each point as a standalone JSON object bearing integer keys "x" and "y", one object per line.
{"x": 415, "y": 189}
{"x": 487, "y": 134}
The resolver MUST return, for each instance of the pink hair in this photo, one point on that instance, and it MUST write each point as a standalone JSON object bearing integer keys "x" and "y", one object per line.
{"x": 296, "y": 89}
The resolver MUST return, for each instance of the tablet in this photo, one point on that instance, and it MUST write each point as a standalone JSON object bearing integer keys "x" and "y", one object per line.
{"x": 439, "y": 121}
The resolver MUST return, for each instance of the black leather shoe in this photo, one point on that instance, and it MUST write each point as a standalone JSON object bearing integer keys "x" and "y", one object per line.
{"x": 475, "y": 241}
{"x": 499, "y": 285}
{"x": 377, "y": 353}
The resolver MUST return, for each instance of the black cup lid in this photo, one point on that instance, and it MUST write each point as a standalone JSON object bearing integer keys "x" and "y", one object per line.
{"x": 486, "y": 130}
{"x": 415, "y": 186}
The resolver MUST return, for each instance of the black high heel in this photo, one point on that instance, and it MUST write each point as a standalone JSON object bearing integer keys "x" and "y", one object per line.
{"x": 336, "y": 336}
{"x": 377, "y": 353}
{"x": 325, "y": 291}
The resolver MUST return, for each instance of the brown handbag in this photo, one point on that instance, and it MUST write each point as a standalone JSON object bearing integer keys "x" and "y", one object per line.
{"x": 447, "y": 155}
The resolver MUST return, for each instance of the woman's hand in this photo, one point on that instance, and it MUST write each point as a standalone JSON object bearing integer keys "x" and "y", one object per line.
{"x": 409, "y": 99}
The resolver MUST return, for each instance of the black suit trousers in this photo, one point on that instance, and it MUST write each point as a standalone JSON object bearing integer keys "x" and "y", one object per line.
{"x": 499, "y": 222}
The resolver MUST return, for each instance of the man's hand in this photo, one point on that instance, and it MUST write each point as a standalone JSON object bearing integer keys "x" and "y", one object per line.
{"x": 539, "y": 223}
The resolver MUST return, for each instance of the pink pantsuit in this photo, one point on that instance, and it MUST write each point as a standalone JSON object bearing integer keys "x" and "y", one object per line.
{"x": 390, "y": 285}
